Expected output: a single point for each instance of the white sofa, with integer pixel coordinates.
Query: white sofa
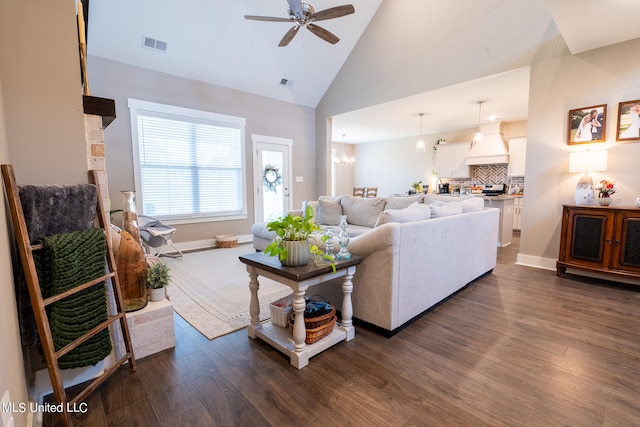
(409, 264)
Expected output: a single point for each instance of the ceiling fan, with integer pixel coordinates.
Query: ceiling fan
(302, 15)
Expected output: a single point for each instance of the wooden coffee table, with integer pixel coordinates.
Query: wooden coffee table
(299, 279)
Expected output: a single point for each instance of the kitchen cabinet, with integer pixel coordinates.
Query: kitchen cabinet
(517, 156)
(604, 239)
(517, 213)
(451, 161)
(505, 228)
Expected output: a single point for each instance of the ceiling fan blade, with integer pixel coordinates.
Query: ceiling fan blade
(323, 34)
(332, 12)
(296, 8)
(266, 18)
(289, 36)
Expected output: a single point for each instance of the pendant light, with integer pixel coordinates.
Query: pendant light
(478, 136)
(421, 147)
(344, 160)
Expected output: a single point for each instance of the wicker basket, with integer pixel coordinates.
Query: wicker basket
(320, 332)
(227, 241)
(317, 327)
(281, 311)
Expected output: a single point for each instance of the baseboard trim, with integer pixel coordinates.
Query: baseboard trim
(550, 264)
(196, 245)
(537, 262)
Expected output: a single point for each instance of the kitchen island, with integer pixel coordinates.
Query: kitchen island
(505, 204)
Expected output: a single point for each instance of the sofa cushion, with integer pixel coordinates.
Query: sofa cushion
(469, 203)
(260, 229)
(414, 212)
(429, 198)
(362, 211)
(394, 202)
(353, 230)
(472, 204)
(329, 212)
(440, 209)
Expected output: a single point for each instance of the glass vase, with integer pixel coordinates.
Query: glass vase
(329, 244)
(343, 239)
(131, 261)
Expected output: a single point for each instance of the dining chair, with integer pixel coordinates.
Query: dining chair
(372, 191)
(358, 191)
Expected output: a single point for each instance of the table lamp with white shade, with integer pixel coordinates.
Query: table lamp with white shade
(587, 161)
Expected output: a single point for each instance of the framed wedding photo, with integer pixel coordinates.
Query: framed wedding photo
(628, 121)
(587, 125)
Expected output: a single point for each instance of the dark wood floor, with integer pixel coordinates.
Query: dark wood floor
(519, 347)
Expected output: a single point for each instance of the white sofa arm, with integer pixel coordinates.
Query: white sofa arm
(376, 240)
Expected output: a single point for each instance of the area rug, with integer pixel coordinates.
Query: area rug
(210, 290)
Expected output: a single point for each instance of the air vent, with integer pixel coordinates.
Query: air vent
(154, 44)
(286, 83)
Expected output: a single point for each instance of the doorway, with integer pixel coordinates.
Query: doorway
(272, 176)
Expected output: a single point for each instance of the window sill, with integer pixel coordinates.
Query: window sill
(196, 220)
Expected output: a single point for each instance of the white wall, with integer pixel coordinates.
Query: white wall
(40, 72)
(405, 53)
(265, 116)
(608, 76)
(12, 377)
(42, 135)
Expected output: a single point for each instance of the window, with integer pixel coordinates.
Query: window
(189, 164)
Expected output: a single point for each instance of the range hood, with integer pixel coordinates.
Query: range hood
(492, 149)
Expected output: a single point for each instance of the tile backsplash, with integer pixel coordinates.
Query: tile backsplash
(488, 174)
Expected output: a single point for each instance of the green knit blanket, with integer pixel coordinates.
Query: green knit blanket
(69, 260)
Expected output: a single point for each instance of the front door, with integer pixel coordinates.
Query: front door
(272, 160)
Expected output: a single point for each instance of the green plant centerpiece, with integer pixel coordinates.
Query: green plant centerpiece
(158, 276)
(291, 244)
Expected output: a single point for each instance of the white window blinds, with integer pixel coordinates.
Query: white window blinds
(190, 163)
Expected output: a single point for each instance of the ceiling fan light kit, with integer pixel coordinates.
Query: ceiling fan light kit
(302, 15)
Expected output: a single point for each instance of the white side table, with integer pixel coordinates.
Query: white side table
(299, 279)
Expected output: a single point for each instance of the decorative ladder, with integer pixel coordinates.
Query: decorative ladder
(39, 304)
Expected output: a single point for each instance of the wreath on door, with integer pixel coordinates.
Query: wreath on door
(271, 177)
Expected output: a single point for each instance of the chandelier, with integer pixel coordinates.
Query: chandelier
(344, 160)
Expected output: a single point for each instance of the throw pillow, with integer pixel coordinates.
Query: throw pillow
(440, 209)
(362, 211)
(402, 202)
(328, 212)
(414, 212)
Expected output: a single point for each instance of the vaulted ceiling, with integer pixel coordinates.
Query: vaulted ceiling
(211, 41)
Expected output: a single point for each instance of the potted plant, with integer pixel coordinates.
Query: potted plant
(291, 244)
(157, 278)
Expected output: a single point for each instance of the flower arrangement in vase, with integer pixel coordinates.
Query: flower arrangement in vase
(605, 190)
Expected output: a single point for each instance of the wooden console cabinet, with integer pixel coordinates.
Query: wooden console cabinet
(604, 239)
